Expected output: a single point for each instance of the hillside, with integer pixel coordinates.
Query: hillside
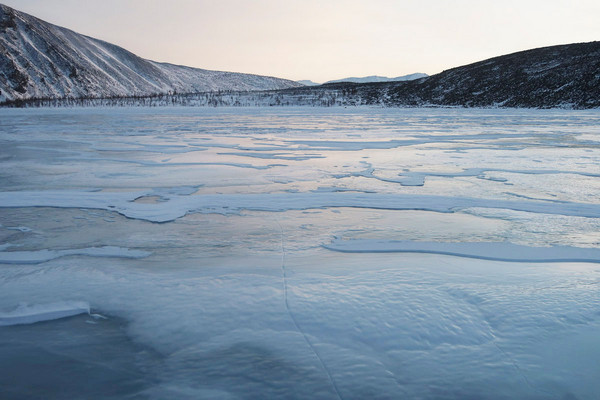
(556, 76)
(565, 76)
(38, 59)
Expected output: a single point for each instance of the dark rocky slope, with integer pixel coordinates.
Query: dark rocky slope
(556, 76)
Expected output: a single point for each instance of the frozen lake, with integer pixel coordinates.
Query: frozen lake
(299, 253)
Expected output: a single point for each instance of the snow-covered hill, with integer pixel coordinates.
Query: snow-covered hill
(38, 59)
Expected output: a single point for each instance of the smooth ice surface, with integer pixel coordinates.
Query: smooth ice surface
(299, 253)
(45, 360)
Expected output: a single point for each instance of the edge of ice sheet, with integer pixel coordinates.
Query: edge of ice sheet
(417, 178)
(40, 256)
(176, 206)
(30, 314)
(410, 178)
(498, 251)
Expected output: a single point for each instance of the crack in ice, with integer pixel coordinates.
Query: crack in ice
(293, 318)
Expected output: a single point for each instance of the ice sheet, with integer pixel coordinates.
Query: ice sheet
(239, 298)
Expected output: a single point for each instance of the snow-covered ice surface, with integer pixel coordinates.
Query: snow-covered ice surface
(299, 253)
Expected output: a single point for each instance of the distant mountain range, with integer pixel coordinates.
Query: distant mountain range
(369, 79)
(307, 82)
(376, 78)
(38, 59)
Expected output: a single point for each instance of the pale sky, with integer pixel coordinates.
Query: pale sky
(323, 40)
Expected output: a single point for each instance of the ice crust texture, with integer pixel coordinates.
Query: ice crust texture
(305, 253)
